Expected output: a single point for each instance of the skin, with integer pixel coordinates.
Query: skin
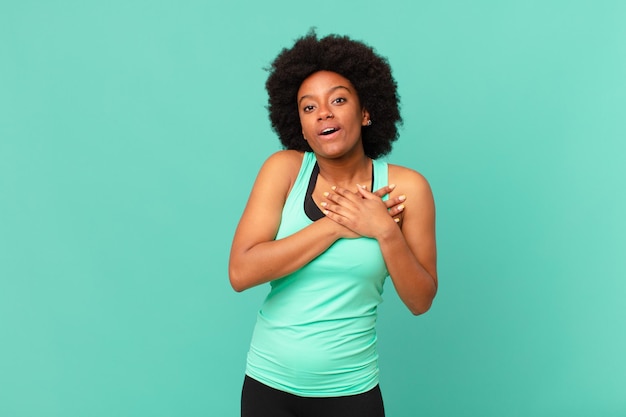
(403, 225)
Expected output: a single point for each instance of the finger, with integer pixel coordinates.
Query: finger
(341, 195)
(383, 191)
(394, 211)
(395, 201)
(333, 212)
(364, 193)
(334, 209)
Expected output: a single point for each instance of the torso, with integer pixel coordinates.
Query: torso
(315, 333)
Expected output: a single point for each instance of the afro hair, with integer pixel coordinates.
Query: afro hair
(368, 72)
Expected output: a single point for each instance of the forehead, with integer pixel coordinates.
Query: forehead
(323, 81)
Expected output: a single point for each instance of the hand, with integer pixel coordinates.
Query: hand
(362, 212)
(394, 205)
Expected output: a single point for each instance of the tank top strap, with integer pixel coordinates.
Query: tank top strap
(381, 175)
(302, 180)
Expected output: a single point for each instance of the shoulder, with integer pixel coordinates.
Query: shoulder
(280, 170)
(409, 180)
(419, 213)
(284, 161)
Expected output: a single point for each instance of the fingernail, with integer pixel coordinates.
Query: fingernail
(401, 207)
(326, 193)
(402, 197)
(397, 220)
(334, 187)
(323, 204)
(325, 212)
(392, 186)
(360, 186)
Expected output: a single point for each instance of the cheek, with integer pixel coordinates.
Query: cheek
(306, 124)
(306, 128)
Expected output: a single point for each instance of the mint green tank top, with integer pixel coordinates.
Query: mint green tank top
(315, 333)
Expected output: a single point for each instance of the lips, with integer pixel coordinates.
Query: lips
(328, 130)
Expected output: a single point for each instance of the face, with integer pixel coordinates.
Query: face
(331, 114)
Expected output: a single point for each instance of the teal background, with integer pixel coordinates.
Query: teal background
(131, 133)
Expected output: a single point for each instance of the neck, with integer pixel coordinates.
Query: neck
(346, 172)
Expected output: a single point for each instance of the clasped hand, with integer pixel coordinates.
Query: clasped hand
(363, 213)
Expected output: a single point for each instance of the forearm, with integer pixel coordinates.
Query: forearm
(274, 259)
(414, 284)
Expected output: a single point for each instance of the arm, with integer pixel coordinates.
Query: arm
(411, 256)
(255, 256)
(409, 252)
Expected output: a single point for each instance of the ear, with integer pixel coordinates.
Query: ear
(366, 117)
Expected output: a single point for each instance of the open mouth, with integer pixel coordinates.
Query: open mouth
(328, 131)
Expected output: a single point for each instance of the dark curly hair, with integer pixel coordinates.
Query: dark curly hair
(369, 73)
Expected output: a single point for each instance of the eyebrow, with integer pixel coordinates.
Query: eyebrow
(330, 91)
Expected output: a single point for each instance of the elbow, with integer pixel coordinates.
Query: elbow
(421, 308)
(243, 274)
(236, 286)
(237, 272)
(235, 277)
(423, 304)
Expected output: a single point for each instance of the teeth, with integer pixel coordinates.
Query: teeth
(327, 131)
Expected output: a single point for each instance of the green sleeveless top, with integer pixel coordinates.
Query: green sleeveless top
(315, 334)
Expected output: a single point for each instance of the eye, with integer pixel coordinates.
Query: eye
(308, 108)
(339, 100)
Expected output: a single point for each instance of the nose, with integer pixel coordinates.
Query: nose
(325, 113)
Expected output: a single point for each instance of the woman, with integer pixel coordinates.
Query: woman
(314, 229)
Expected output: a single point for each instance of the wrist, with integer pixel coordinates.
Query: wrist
(389, 233)
(330, 228)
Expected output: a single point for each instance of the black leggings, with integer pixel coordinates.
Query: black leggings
(259, 400)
